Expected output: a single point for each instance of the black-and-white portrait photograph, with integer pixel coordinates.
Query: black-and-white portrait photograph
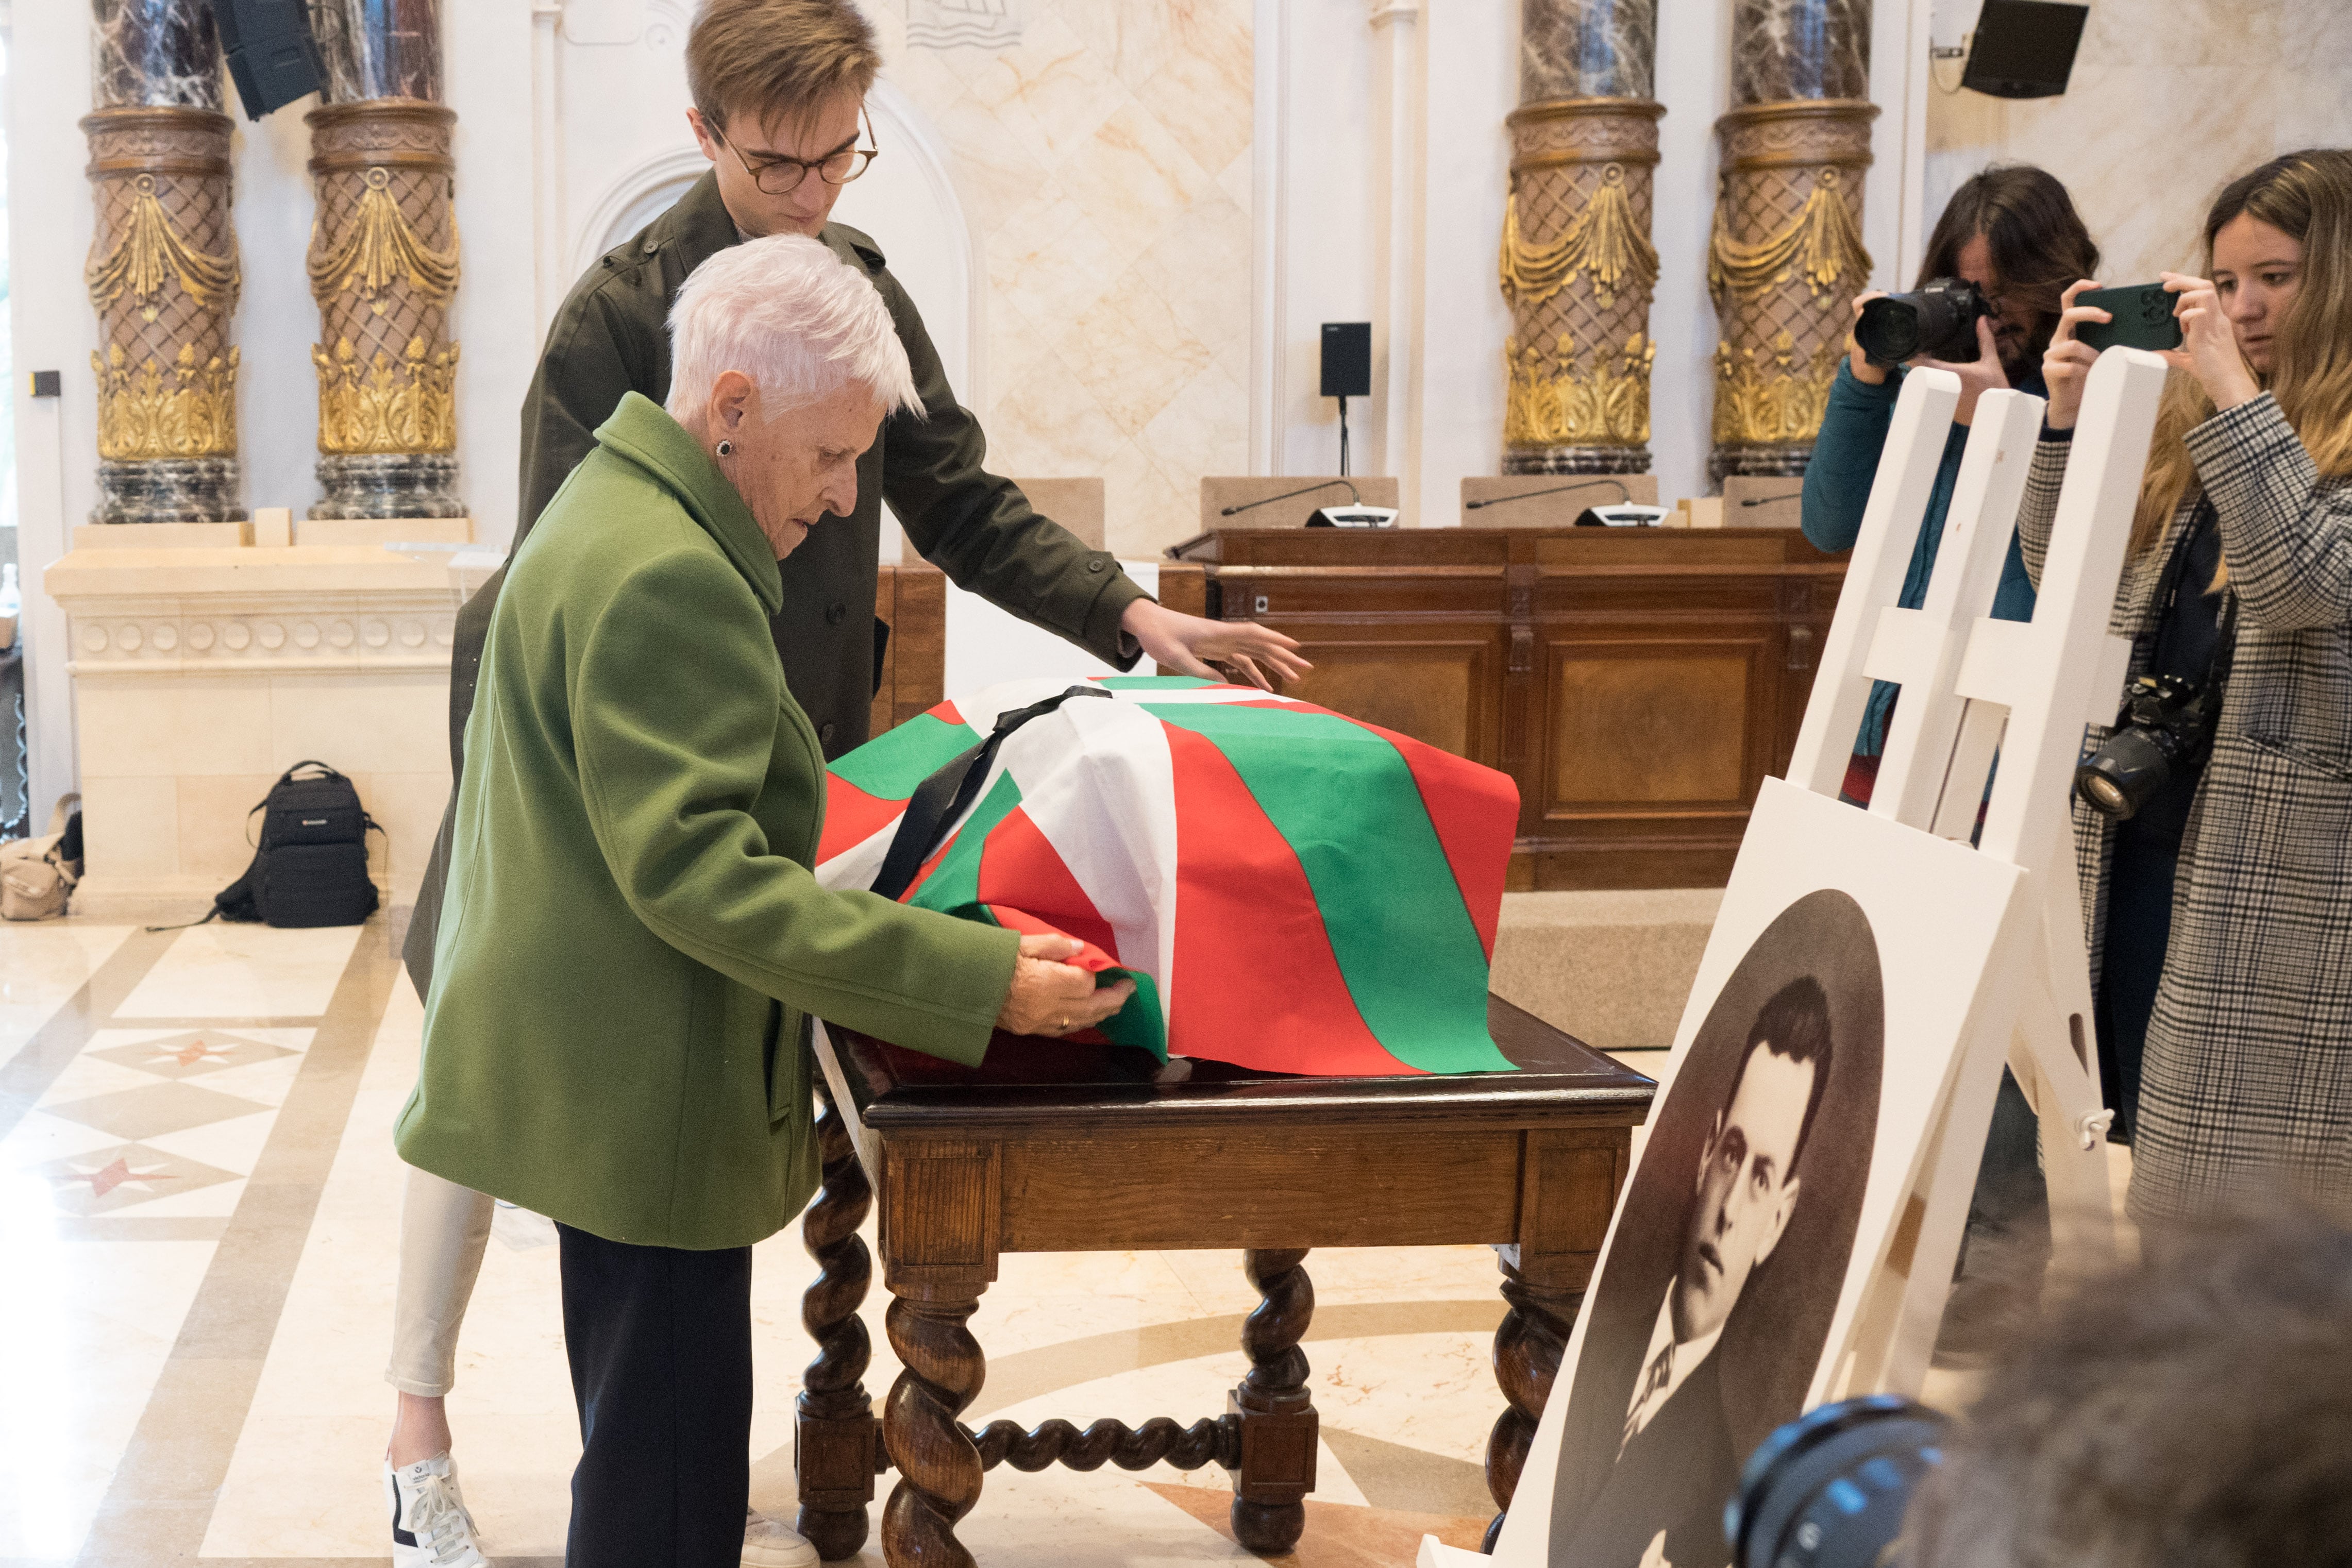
(1716, 1295)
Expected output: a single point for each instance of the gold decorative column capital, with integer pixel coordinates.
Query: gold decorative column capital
(384, 268)
(163, 276)
(1785, 256)
(1577, 269)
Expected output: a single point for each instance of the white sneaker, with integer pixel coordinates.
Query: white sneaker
(430, 1526)
(768, 1543)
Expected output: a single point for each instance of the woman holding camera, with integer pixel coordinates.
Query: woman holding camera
(2012, 237)
(2217, 897)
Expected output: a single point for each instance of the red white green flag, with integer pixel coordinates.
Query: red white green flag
(1291, 890)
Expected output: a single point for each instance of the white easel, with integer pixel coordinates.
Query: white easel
(1972, 686)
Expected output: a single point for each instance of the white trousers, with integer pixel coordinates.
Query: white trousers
(442, 1229)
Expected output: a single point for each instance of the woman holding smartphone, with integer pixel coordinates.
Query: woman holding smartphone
(2217, 896)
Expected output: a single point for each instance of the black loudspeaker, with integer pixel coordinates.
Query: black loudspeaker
(2024, 48)
(1347, 359)
(272, 57)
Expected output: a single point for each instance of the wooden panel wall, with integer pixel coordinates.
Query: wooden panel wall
(1638, 686)
(912, 601)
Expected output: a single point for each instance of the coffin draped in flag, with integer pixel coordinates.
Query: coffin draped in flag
(1292, 891)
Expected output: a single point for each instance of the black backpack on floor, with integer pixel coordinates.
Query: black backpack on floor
(312, 866)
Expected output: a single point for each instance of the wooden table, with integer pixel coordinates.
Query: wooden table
(1637, 682)
(1054, 1147)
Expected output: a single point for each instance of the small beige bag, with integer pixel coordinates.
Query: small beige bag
(35, 881)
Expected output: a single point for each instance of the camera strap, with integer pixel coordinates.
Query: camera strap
(2216, 676)
(2168, 599)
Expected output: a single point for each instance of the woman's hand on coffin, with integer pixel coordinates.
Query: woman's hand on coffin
(1052, 998)
(1189, 645)
(2068, 361)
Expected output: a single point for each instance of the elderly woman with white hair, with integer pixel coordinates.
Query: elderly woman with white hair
(632, 941)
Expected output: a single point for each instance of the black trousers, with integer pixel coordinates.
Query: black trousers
(2139, 930)
(660, 1344)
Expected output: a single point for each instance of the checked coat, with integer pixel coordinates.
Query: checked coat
(2246, 1093)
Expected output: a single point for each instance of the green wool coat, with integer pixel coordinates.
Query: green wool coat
(631, 937)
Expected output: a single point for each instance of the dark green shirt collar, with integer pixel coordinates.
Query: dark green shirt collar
(643, 432)
(699, 227)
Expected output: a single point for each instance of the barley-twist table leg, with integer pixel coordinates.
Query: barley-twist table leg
(939, 1467)
(1279, 1425)
(837, 1437)
(1529, 1344)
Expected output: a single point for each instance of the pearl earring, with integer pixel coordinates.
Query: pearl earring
(726, 449)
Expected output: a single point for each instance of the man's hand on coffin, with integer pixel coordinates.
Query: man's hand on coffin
(1189, 645)
(1050, 997)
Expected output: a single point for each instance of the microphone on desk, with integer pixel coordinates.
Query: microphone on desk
(1768, 500)
(1287, 495)
(1623, 494)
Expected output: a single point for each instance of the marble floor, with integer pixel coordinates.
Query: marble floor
(199, 1206)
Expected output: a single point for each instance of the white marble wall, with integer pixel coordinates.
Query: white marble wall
(1104, 161)
(2169, 102)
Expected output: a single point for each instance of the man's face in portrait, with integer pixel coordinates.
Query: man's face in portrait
(1745, 1190)
(746, 154)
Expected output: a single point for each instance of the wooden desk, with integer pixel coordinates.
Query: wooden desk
(912, 601)
(1639, 684)
(1085, 1149)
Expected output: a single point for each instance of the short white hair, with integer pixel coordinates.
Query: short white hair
(796, 319)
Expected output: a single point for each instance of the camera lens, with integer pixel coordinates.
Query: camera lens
(1830, 1489)
(2106, 795)
(2123, 774)
(1939, 322)
(1889, 330)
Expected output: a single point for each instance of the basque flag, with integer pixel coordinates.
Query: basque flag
(1291, 890)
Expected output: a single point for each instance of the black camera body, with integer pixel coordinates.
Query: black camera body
(2167, 721)
(1938, 322)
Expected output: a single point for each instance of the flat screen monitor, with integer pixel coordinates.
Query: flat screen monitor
(2024, 48)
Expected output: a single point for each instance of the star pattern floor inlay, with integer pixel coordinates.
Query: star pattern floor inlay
(120, 1175)
(193, 1053)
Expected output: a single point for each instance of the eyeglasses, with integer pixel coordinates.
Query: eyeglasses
(780, 176)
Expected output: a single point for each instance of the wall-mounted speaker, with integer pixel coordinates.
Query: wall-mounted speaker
(1347, 359)
(2024, 48)
(272, 57)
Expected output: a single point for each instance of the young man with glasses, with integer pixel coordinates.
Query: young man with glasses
(779, 90)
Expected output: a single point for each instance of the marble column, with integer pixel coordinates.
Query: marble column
(384, 263)
(1578, 266)
(163, 271)
(1787, 256)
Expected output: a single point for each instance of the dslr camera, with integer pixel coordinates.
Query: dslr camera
(1939, 322)
(2167, 721)
(1830, 1488)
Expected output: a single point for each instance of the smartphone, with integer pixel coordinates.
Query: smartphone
(2143, 318)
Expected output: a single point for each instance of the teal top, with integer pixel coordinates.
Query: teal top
(1837, 488)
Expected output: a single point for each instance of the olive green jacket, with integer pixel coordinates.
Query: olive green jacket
(631, 935)
(612, 337)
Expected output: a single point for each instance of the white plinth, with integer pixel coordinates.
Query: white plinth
(202, 671)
